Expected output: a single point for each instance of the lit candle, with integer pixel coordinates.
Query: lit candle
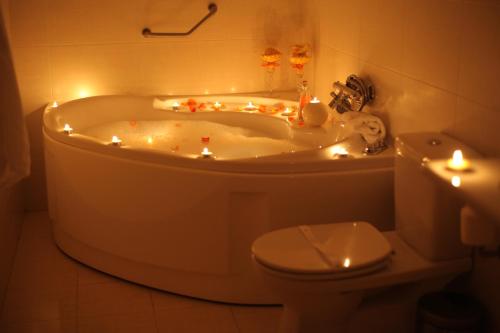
(175, 106)
(115, 141)
(339, 151)
(217, 106)
(67, 129)
(315, 100)
(150, 139)
(458, 162)
(206, 153)
(54, 105)
(347, 262)
(287, 112)
(250, 107)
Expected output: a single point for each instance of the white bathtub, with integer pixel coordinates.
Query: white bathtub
(176, 221)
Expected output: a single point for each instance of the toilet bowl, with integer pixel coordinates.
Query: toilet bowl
(319, 298)
(322, 272)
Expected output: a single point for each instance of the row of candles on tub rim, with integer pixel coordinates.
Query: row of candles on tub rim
(117, 142)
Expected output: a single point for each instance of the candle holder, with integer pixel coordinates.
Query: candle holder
(458, 162)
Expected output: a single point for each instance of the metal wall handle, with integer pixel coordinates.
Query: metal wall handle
(212, 9)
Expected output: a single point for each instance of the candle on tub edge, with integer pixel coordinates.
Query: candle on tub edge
(115, 141)
(458, 162)
(250, 107)
(67, 129)
(206, 153)
(175, 106)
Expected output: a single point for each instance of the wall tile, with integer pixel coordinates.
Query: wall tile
(423, 108)
(340, 24)
(381, 35)
(431, 46)
(33, 76)
(28, 28)
(478, 127)
(479, 68)
(94, 70)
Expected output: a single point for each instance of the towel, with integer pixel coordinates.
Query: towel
(370, 127)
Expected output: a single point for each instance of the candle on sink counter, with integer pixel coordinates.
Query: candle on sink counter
(458, 162)
(216, 106)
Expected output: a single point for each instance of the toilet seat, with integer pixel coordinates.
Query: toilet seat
(326, 251)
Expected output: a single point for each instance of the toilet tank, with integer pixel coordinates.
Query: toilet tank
(427, 217)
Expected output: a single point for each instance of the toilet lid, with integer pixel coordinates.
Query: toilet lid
(323, 248)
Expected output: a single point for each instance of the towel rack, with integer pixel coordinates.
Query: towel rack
(212, 9)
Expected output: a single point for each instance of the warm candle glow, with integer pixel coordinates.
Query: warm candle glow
(67, 129)
(116, 141)
(339, 151)
(250, 107)
(287, 112)
(458, 162)
(175, 106)
(54, 104)
(206, 153)
(83, 93)
(347, 262)
(315, 100)
(456, 181)
(150, 140)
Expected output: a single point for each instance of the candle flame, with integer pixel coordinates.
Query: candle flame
(150, 139)
(458, 157)
(315, 100)
(347, 262)
(217, 104)
(67, 127)
(54, 104)
(115, 139)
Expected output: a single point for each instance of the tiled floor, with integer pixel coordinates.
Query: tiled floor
(51, 293)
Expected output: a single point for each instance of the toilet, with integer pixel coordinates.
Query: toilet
(321, 272)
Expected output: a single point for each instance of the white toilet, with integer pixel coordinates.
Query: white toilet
(321, 272)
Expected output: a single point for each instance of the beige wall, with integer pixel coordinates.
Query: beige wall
(71, 46)
(434, 62)
(435, 65)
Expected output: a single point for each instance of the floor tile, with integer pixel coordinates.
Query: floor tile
(54, 326)
(262, 319)
(113, 298)
(130, 323)
(209, 318)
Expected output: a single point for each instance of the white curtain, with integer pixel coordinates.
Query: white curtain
(14, 146)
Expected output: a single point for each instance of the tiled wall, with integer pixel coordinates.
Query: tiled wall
(435, 63)
(436, 67)
(11, 207)
(67, 48)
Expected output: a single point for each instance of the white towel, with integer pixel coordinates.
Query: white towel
(370, 127)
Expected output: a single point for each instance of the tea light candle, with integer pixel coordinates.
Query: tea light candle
(458, 162)
(54, 105)
(115, 141)
(216, 106)
(287, 112)
(206, 153)
(175, 106)
(250, 107)
(67, 129)
(339, 151)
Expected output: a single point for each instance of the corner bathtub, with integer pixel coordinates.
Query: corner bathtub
(159, 214)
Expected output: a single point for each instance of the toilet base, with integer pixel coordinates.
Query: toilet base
(327, 313)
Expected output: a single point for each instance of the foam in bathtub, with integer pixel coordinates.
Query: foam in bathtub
(188, 138)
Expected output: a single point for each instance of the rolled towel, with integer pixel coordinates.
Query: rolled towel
(370, 127)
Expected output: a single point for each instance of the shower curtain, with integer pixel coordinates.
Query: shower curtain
(14, 147)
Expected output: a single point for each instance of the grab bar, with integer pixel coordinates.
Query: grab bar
(212, 9)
